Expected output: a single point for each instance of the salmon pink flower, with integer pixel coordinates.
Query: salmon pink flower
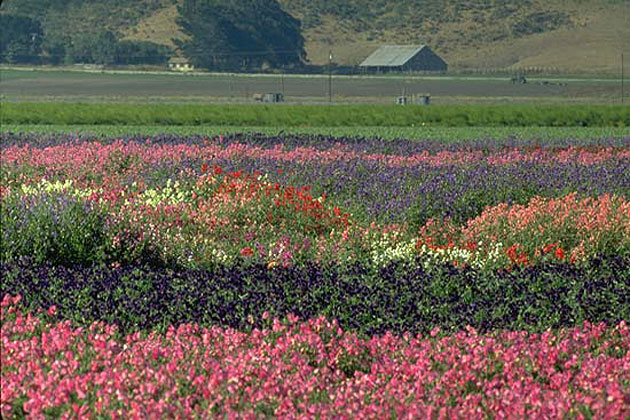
(247, 252)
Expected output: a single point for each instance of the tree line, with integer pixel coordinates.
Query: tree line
(222, 34)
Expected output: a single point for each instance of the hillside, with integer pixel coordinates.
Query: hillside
(569, 36)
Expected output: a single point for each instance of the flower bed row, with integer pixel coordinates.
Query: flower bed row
(399, 146)
(98, 155)
(395, 298)
(219, 218)
(441, 183)
(306, 369)
(164, 278)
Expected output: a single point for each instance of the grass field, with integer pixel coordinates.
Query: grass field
(135, 87)
(316, 116)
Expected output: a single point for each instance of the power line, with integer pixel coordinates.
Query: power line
(205, 54)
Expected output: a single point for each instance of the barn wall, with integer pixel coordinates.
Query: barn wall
(426, 60)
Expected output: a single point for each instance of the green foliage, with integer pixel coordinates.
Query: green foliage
(369, 302)
(313, 115)
(141, 52)
(20, 39)
(87, 48)
(436, 133)
(94, 37)
(104, 48)
(240, 35)
(52, 227)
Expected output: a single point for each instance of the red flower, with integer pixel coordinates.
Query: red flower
(218, 170)
(548, 248)
(204, 168)
(471, 245)
(511, 252)
(247, 252)
(560, 253)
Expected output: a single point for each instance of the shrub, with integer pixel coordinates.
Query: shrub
(52, 227)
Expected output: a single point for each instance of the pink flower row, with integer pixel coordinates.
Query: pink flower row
(96, 155)
(297, 369)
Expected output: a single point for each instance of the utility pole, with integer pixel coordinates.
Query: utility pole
(622, 78)
(330, 59)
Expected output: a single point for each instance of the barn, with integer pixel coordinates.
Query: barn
(396, 58)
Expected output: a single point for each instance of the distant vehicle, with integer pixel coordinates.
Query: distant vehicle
(519, 78)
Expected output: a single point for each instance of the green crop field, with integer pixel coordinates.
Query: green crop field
(316, 116)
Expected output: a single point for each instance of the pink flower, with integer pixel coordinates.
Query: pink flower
(435, 331)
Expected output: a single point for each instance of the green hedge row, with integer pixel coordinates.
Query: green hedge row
(318, 115)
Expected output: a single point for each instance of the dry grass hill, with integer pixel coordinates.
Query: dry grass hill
(567, 36)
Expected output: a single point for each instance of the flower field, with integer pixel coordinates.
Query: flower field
(300, 276)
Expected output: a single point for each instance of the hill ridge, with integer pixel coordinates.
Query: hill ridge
(565, 36)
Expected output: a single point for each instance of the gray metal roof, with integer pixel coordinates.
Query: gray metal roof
(391, 55)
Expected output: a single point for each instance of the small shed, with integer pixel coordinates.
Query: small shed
(269, 97)
(391, 58)
(180, 64)
(423, 99)
(273, 97)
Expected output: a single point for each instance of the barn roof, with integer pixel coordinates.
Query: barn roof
(391, 55)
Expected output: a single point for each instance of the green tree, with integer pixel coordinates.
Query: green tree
(54, 50)
(93, 49)
(104, 48)
(240, 35)
(142, 52)
(20, 39)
